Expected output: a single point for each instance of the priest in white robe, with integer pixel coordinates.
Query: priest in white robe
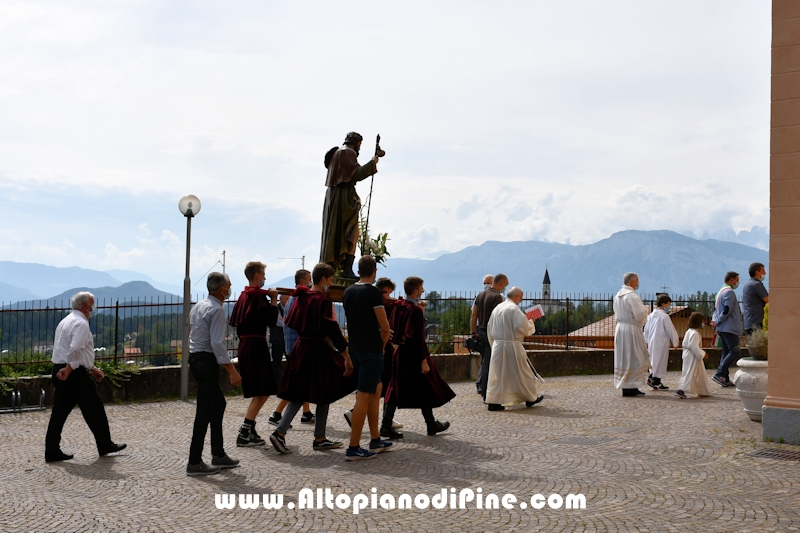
(631, 362)
(512, 379)
(660, 333)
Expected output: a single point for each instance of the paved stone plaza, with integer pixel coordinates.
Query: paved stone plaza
(655, 463)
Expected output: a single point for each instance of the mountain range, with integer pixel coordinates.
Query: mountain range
(34, 281)
(663, 259)
(136, 292)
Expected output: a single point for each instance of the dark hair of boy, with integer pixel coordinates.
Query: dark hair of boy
(366, 266)
(730, 275)
(385, 283)
(321, 270)
(299, 275)
(663, 299)
(412, 283)
(252, 268)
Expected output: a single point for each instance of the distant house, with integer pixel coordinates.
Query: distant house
(43, 348)
(232, 345)
(132, 352)
(600, 334)
(176, 345)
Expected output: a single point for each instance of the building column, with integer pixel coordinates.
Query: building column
(781, 412)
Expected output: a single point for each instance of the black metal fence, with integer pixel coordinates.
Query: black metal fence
(570, 320)
(149, 331)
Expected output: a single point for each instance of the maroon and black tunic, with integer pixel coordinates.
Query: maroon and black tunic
(315, 372)
(388, 350)
(408, 387)
(251, 317)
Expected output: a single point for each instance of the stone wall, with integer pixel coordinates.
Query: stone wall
(164, 382)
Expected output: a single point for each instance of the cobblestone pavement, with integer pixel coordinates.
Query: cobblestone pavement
(653, 463)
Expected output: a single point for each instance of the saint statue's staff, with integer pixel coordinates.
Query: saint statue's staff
(378, 153)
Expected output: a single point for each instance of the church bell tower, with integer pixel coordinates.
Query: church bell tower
(546, 285)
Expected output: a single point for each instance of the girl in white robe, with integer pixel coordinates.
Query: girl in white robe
(693, 376)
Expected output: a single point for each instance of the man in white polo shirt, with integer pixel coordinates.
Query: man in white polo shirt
(74, 376)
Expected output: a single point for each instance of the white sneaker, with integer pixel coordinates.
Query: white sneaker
(396, 425)
(348, 415)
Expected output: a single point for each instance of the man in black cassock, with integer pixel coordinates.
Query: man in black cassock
(342, 204)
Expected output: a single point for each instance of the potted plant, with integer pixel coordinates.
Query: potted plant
(751, 378)
(757, 344)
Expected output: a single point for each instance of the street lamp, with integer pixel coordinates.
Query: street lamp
(189, 207)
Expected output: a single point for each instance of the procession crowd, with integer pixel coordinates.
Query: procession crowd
(384, 360)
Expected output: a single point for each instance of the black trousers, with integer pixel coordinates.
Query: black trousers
(210, 406)
(277, 351)
(79, 389)
(390, 408)
(486, 356)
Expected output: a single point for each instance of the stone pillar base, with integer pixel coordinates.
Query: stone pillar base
(780, 424)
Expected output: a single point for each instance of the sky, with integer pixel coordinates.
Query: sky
(558, 121)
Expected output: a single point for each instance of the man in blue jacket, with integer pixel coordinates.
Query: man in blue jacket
(727, 320)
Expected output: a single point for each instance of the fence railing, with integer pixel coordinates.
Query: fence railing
(149, 331)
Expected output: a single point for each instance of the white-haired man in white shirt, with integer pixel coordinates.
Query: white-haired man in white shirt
(74, 377)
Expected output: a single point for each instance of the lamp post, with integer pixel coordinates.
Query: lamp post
(189, 207)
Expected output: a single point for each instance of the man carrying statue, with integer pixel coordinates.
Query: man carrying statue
(342, 204)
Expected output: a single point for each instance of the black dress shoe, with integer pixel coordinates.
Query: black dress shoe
(114, 448)
(391, 433)
(496, 407)
(58, 456)
(534, 402)
(437, 427)
(632, 392)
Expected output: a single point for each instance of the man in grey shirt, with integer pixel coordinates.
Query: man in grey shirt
(754, 298)
(207, 353)
(727, 320)
(481, 311)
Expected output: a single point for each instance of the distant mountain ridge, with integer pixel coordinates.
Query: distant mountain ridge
(34, 281)
(133, 292)
(661, 258)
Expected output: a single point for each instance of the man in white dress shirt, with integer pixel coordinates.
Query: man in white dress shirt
(207, 352)
(631, 360)
(73, 373)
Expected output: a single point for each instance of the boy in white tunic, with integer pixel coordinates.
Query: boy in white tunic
(659, 334)
(693, 377)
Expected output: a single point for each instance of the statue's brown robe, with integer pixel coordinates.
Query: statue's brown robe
(342, 205)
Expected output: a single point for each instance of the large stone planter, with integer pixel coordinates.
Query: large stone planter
(751, 385)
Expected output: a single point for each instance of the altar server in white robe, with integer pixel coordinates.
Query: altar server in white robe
(631, 361)
(659, 333)
(693, 376)
(512, 379)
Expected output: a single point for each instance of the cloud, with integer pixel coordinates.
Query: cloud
(527, 122)
(520, 211)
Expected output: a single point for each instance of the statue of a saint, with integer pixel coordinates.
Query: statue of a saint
(342, 204)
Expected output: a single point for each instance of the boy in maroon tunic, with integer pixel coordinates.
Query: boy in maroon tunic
(415, 382)
(251, 316)
(316, 372)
